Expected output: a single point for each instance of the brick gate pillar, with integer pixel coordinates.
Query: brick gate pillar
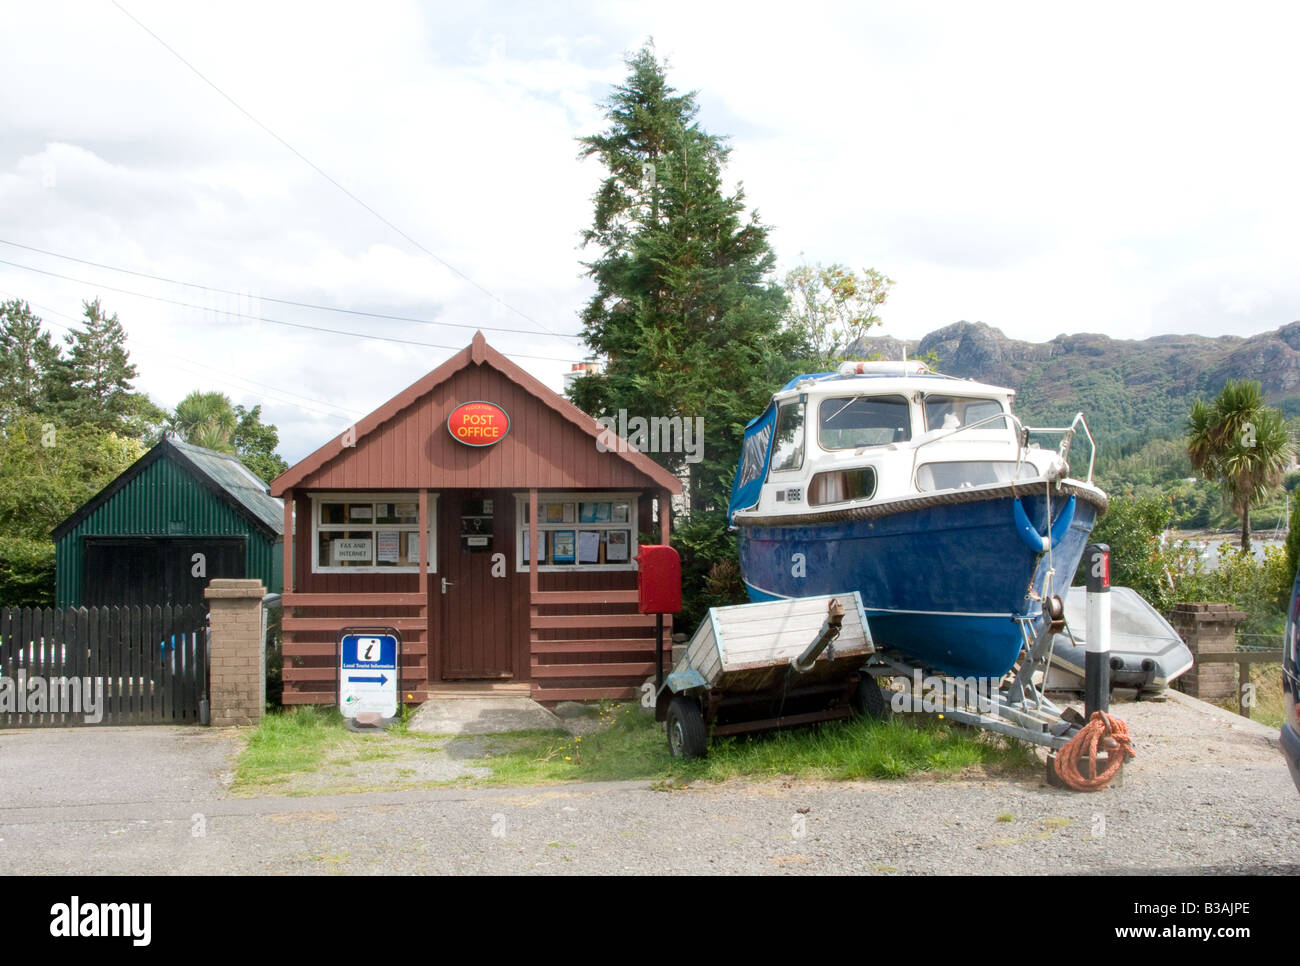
(237, 660)
(1208, 629)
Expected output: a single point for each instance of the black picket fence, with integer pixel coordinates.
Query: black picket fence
(102, 665)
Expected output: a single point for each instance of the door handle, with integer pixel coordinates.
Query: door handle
(447, 583)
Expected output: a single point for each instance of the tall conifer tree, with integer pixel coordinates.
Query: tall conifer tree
(686, 316)
(27, 356)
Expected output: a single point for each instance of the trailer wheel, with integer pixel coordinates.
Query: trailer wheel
(687, 737)
(869, 700)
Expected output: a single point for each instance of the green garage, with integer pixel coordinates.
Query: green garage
(175, 519)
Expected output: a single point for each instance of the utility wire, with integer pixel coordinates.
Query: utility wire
(203, 368)
(320, 171)
(262, 318)
(278, 301)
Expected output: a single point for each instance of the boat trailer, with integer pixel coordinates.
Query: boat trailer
(778, 664)
(1014, 706)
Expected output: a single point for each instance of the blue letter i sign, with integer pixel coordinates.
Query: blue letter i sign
(368, 675)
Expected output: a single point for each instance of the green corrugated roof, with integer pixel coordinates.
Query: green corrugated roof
(238, 480)
(222, 473)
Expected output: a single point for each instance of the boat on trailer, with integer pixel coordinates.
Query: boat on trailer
(927, 496)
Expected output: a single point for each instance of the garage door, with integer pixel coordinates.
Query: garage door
(121, 571)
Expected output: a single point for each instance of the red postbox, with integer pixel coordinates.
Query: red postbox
(658, 592)
(658, 580)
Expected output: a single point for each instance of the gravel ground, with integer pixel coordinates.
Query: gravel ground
(1209, 792)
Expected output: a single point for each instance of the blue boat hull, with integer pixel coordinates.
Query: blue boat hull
(946, 585)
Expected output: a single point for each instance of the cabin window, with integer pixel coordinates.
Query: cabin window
(787, 445)
(961, 473)
(951, 412)
(851, 422)
(579, 531)
(753, 455)
(370, 533)
(841, 486)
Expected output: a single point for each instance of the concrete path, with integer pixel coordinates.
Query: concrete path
(482, 715)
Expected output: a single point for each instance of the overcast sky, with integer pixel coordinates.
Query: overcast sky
(1121, 168)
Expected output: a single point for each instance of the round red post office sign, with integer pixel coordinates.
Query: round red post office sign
(478, 423)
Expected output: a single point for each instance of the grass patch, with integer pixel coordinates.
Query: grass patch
(309, 750)
(632, 746)
(289, 743)
(306, 739)
(1268, 709)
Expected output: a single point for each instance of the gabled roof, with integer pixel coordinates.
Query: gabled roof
(222, 474)
(478, 352)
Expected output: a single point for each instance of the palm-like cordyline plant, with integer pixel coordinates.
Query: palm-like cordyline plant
(1243, 444)
(206, 419)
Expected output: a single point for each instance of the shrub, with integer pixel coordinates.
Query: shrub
(708, 555)
(26, 572)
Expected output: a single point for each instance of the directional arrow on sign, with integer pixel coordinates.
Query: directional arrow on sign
(382, 679)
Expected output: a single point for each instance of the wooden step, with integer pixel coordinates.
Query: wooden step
(611, 645)
(584, 694)
(576, 671)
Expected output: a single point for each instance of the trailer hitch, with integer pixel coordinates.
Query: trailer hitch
(825, 637)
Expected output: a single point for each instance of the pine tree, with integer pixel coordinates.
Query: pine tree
(27, 356)
(686, 316)
(91, 385)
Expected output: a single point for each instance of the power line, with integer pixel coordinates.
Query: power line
(262, 318)
(216, 374)
(278, 301)
(320, 171)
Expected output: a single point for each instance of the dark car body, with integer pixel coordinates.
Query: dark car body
(1291, 685)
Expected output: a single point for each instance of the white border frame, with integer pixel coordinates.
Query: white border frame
(577, 496)
(401, 496)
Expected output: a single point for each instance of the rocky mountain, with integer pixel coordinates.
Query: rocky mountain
(1131, 391)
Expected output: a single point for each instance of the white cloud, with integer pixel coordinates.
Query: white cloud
(1126, 171)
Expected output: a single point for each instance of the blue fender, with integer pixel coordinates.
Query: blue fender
(1038, 542)
(680, 681)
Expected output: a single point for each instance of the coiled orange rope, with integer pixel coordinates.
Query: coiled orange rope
(1100, 726)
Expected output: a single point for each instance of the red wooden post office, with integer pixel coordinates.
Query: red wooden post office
(487, 519)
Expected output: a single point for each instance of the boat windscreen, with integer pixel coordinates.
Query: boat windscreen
(851, 422)
(956, 474)
(950, 412)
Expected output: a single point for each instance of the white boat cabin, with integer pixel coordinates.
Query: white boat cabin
(883, 430)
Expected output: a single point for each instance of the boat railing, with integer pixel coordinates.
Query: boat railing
(1024, 431)
(1067, 440)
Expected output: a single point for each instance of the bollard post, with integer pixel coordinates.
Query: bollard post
(1096, 679)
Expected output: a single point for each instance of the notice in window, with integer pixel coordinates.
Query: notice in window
(588, 546)
(413, 547)
(563, 546)
(389, 547)
(541, 547)
(616, 544)
(350, 551)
